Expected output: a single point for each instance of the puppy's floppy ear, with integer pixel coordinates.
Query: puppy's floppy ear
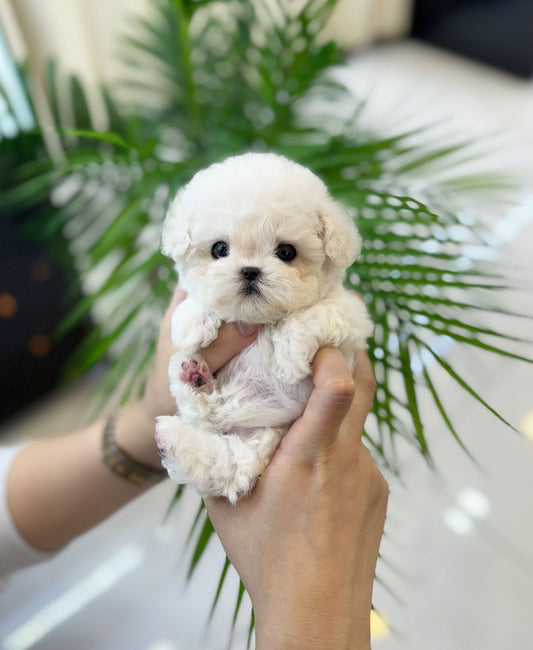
(342, 241)
(176, 236)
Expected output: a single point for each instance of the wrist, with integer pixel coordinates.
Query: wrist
(311, 638)
(134, 433)
(312, 628)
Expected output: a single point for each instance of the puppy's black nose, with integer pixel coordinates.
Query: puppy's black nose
(250, 273)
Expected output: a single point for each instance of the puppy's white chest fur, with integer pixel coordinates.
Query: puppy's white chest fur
(252, 390)
(256, 238)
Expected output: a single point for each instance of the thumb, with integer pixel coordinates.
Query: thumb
(231, 340)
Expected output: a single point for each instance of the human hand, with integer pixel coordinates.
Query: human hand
(305, 542)
(136, 424)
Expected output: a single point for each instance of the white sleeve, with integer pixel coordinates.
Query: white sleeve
(15, 552)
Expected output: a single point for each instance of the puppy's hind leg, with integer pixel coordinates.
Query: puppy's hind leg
(187, 454)
(250, 456)
(217, 465)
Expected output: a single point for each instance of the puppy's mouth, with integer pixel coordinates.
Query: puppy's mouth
(250, 289)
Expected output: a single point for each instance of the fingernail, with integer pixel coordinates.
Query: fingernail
(247, 329)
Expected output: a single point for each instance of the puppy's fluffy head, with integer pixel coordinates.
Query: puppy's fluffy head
(258, 236)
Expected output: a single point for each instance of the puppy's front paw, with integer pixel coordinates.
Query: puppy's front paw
(196, 375)
(290, 365)
(193, 327)
(293, 374)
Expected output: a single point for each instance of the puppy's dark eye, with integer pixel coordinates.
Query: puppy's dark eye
(219, 249)
(286, 252)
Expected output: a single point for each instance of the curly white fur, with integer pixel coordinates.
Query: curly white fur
(229, 426)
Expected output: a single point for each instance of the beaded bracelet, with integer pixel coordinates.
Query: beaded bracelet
(119, 462)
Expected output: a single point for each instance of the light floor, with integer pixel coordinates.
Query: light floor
(458, 554)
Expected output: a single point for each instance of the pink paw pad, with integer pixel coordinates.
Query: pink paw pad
(196, 374)
(161, 442)
(160, 445)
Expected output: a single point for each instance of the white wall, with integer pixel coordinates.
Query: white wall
(358, 23)
(82, 35)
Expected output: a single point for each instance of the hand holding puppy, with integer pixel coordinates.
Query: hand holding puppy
(305, 542)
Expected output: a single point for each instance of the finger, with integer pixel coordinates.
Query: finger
(231, 340)
(327, 407)
(164, 342)
(365, 388)
(178, 296)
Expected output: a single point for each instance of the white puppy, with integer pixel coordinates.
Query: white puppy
(256, 239)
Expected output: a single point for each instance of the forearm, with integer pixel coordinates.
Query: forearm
(58, 488)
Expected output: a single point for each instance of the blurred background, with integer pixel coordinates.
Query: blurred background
(457, 570)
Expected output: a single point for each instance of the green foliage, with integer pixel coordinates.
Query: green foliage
(210, 79)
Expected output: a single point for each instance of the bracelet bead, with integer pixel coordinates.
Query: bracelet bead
(119, 462)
